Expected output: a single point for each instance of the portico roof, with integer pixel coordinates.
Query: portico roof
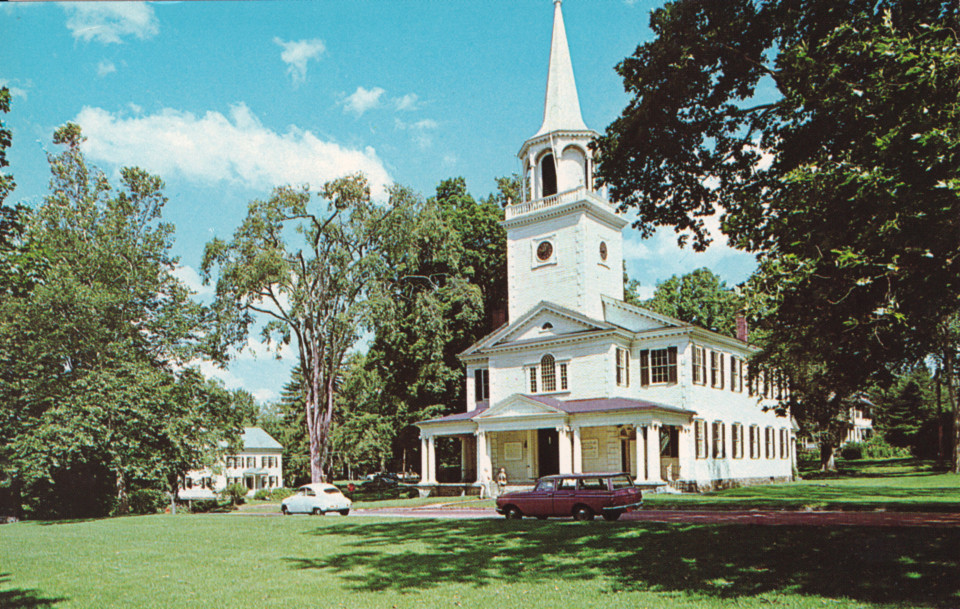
(572, 407)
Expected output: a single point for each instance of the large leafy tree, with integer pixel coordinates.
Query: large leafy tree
(313, 271)
(700, 298)
(94, 347)
(827, 134)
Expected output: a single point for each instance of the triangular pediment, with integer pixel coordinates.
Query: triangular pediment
(519, 406)
(549, 323)
(544, 321)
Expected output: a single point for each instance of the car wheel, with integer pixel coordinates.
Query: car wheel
(582, 512)
(344, 511)
(513, 513)
(317, 512)
(285, 511)
(611, 516)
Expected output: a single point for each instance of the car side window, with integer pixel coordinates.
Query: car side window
(545, 485)
(621, 482)
(306, 492)
(568, 484)
(593, 484)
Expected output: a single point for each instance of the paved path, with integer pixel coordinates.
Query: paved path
(791, 518)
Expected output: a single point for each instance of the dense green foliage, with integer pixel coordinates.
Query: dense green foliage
(827, 135)
(700, 298)
(96, 397)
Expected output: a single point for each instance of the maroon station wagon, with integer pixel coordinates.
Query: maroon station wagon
(579, 495)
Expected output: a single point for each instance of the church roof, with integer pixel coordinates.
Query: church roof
(561, 106)
(605, 405)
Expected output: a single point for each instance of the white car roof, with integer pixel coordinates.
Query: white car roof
(319, 487)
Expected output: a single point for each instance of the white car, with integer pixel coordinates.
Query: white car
(316, 498)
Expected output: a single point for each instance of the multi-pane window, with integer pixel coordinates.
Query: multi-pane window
(736, 374)
(719, 440)
(623, 367)
(251, 461)
(736, 440)
(481, 384)
(768, 443)
(552, 376)
(716, 369)
(548, 373)
(699, 366)
(658, 366)
(661, 367)
(784, 444)
(700, 434)
(754, 441)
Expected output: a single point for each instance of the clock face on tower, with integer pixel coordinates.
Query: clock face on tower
(544, 250)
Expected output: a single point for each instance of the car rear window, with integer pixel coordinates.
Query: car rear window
(621, 482)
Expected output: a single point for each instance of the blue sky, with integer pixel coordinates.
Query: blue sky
(225, 100)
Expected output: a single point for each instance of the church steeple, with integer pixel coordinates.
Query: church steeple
(561, 106)
(563, 237)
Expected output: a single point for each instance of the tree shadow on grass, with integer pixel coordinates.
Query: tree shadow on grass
(18, 598)
(916, 567)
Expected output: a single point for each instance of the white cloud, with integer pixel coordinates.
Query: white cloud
(362, 100)
(190, 278)
(264, 395)
(105, 67)
(212, 371)
(214, 147)
(296, 54)
(419, 130)
(406, 103)
(110, 22)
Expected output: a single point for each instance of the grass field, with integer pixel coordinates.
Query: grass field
(890, 484)
(237, 562)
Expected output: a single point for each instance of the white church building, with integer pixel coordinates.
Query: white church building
(578, 380)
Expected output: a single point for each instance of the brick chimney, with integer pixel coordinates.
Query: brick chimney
(742, 332)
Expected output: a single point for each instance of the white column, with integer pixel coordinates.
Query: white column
(653, 452)
(424, 460)
(431, 460)
(484, 467)
(563, 435)
(464, 458)
(531, 447)
(577, 452)
(641, 450)
(685, 452)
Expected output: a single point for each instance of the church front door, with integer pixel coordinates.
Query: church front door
(548, 452)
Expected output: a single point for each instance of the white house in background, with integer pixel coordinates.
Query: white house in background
(859, 425)
(257, 465)
(577, 380)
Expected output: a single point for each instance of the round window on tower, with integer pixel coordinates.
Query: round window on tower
(603, 250)
(544, 250)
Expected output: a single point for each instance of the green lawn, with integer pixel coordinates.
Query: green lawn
(892, 484)
(236, 562)
(274, 506)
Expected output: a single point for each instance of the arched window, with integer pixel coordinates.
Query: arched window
(548, 176)
(548, 373)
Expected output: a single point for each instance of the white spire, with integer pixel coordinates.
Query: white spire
(561, 107)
